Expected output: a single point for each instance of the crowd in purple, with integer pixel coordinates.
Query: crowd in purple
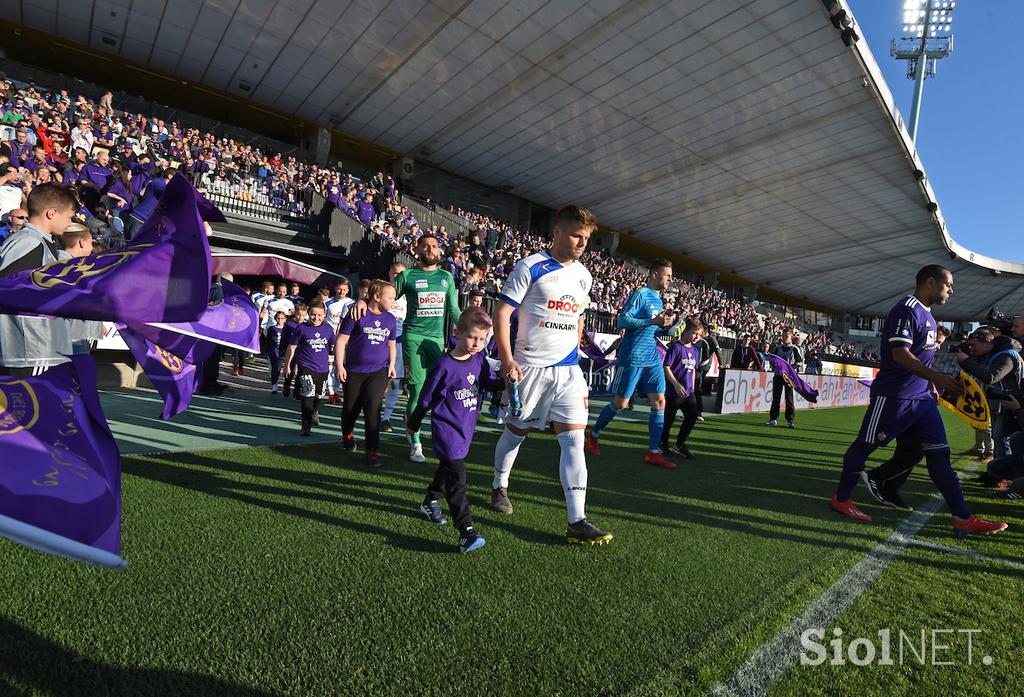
(118, 162)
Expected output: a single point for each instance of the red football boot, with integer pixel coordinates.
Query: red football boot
(659, 460)
(976, 526)
(849, 510)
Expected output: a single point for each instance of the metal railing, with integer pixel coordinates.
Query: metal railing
(435, 215)
(228, 203)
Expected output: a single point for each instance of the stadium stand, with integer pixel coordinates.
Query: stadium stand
(110, 148)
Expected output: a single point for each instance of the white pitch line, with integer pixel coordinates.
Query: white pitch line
(767, 664)
(966, 553)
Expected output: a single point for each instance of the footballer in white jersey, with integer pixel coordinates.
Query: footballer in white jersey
(550, 291)
(551, 298)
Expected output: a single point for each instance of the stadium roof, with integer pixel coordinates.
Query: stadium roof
(742, 133)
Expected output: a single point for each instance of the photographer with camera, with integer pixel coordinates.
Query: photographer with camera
(1017, 328)
(996, 363)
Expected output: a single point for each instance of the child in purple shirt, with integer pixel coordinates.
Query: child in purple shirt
(364, 359)
(299, 317)
(275, 347)
(310, 348)
(452, 394)
(681, 361)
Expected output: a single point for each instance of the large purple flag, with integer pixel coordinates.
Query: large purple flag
(232, 322)
(784, 369)
(162, 276)
(175, 378)
(60, 470)
(170, 353)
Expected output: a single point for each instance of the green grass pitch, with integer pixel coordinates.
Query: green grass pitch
(298, 571)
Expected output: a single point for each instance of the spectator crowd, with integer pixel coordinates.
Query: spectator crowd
(118, 162)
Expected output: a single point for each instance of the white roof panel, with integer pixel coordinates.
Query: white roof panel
(743, 134)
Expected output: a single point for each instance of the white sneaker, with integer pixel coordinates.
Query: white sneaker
(274, 389)
(771, 422)
(700, 418)
(416, 453)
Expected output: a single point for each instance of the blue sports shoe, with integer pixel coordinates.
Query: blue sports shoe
(432, 510)
(470, 540)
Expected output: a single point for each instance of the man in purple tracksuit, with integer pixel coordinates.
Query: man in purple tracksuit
(903, 402)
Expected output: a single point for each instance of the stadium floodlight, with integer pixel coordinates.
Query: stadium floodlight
(926, 38)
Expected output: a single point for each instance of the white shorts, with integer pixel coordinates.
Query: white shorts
(557, 393)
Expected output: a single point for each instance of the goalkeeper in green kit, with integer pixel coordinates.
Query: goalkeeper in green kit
(430, 294)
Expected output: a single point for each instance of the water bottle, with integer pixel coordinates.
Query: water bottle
(515, 405)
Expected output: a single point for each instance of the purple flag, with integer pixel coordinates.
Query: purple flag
(592, 351)
(233, 322)
(60, 470)
(162, 276)
(785, 370)
(175, 378)
(170, 354)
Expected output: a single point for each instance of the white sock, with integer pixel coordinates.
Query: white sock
(572, 468)
(505, 456)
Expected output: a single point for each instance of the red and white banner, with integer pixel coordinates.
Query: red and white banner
(749, 391)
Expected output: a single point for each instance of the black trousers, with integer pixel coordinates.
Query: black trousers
(310, 387)
(131, 226)
(450, 481)
(275, 367)
(778, 385)
(211, 369)
(364, 392)
(892, 473)
(286, 388)
(698, 390)
(673, 404)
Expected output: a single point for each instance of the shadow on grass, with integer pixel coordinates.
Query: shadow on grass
(192, 471)
(780, 498)
(43, 667)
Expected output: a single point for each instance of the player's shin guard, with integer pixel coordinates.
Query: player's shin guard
(605, 418)
(572, 468)
(655, 425)
(505, 456)
(941, 471)
(853, 464)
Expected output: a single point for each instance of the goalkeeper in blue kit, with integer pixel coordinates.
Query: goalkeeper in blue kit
(643, 318)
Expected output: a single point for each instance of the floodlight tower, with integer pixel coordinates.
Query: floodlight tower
(925, 39)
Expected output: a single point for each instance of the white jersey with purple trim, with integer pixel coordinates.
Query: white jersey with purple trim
(551, 297)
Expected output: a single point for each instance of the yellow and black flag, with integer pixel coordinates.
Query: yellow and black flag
(971, 405)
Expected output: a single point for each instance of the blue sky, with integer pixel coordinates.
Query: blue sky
(968, 134)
